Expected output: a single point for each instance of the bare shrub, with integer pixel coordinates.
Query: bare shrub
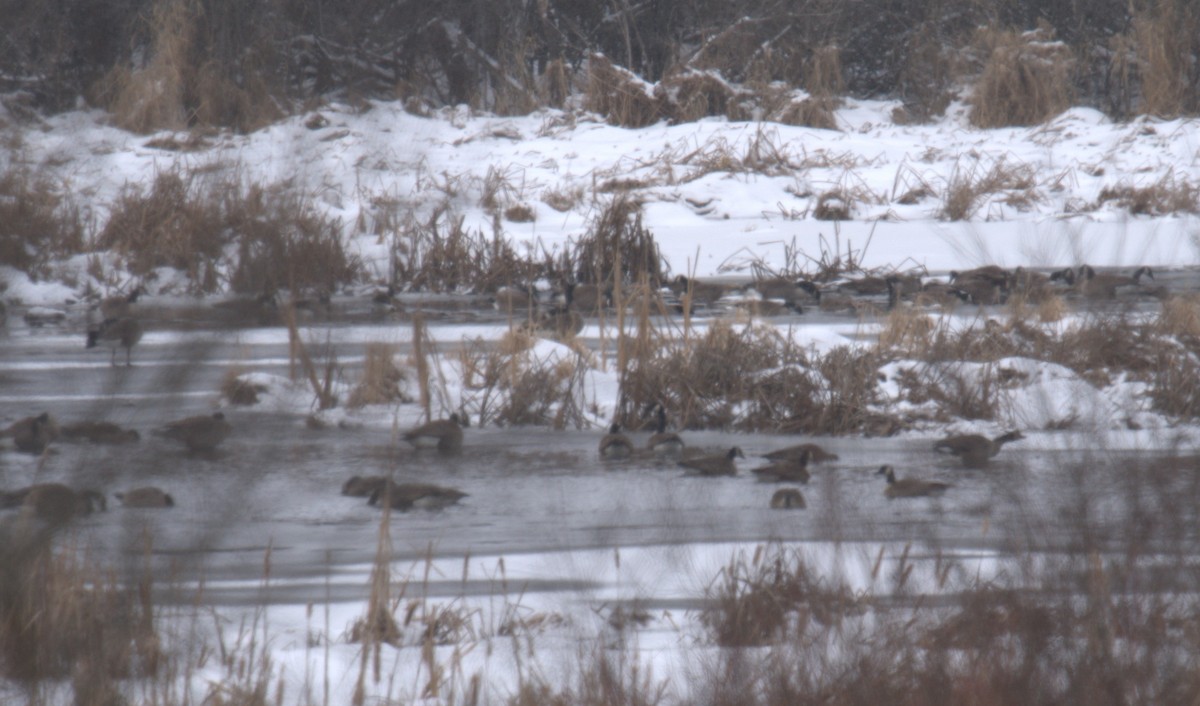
(619, 95)
(1025, 80)
(40, 225)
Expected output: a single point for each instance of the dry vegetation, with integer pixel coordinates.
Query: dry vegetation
(278, 240)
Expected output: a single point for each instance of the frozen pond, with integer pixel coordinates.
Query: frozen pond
(275, 483)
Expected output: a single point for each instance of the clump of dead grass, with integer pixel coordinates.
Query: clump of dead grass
(617, 250)
(277, 239)
(62, 615)
(441, 255)
(1025, 78)
(969, 187)
(623, 98)
(41, 225)
(1166, 196)
(382, 381)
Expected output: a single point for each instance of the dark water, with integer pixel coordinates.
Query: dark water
(274, 485)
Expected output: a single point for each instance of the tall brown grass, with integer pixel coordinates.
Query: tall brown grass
(1025, 79)
(41, 224)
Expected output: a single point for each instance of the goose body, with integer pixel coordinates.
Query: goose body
(663, 442)
(811, 453)
(409, 496)
(146, 497)
(697, 292)
(117, 333)
(587, 298)
(788, 499)
(785, 471)
(445, 435)
(1108, 285)
(118, 307)
(58, 504)
(561, 322)
(909, 487)
(715, 465)
(975, 450)
(33, 434)
(615, 445)
(363, 486)
(203, 433)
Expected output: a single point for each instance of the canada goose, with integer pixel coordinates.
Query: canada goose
(982, 291)
(33, 434)
(57, 504)
(768, 307)
(148, 496)
(202, 433)
(811, 452)
(792, 470)
(384, 297)
(118, 307)
(993, 274)
(789, 291)
(1031, 286)
(587, 298)
(715, 465)
(261, 310)
(117, 333)
(363, 486)
(940, 294)
(788, 499)
(99, 433)
(865, 286)
(909, 487)
(615, 445)
(445, 435)
(975, 449)
(407, 496)
(697, 292)
(514, 300)
(1107, 285)
(559, 321)
(663, 442)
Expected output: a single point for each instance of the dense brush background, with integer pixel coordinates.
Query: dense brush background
(188, 63)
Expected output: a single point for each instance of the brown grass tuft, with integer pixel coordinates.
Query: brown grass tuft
(382, 382)
(617, 249)
(1025, 79)
(688, 96)
(969, 188)
(619, 95)
(40, 225)
(1166, 196)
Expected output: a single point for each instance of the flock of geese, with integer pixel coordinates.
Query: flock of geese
(57, 503)
(790, 464)
(112, 323)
